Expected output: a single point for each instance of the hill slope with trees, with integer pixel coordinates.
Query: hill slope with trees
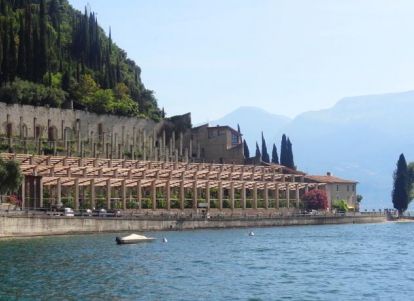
(54, 55)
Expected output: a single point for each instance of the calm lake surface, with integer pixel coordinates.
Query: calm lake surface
(341, 262)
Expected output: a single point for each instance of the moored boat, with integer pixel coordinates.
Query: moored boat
(133, 239)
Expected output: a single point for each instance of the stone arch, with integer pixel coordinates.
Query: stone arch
(39, 131)
(9, 129)
(52, 133)
(24, 130)
(68, 134)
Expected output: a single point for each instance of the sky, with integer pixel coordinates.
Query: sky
(285, 56)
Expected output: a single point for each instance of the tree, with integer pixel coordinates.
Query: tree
(283, 151)
(410, 168)
(258, 154)
(246, 149)
(290, 162)
(265, 154)
(400, 193)
(275, 158)
(315, 199)
(10, 176)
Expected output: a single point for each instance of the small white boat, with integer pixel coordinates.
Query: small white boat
(133, 239)
(251, 233)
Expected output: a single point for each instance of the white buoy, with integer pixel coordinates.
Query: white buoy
(251, 233)
(165, 240)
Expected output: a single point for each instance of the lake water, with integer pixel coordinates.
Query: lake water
(341, 262)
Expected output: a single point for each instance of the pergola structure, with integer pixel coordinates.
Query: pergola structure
(131, 184)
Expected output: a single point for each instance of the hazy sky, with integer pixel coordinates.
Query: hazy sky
(286, 56)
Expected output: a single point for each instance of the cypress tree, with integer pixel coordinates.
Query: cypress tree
(21, 63)
(283, 151)
(290, 161)
(246, 149)
(265, 154)
(258, 154)
(12, 57)
(275, 158)
(400, 193)
(42, 42)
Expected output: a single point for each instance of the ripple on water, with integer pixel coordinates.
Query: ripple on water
(358, 262)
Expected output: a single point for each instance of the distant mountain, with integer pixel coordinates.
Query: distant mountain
(253, 121)
(359, 138)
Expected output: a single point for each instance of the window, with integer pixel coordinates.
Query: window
(353, 188)
(337, 187)
(347, 187)
(234, 139)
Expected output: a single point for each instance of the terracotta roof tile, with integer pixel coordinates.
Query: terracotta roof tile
(330, 179)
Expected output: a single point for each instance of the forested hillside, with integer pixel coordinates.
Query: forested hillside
(52, 54)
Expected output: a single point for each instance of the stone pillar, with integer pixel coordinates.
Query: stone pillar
(195, 195)
(297, 196)
(287, 196)
(108, 193)
(77, 194)
(40, 192)
(154, 195)
(182, 195)
(243, 195)
(124, 196)
(168, 195)
(266, 196)
(139, 194)
(255, 195)
(59, 191)
(208, 194)
(181, 145)
(23, 193)
(92, 187)
(277, 196)
(232, 195)
(220, 195)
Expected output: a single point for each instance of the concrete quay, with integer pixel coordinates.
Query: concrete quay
(21, 225)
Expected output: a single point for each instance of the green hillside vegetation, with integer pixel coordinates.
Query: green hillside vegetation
(53, 55)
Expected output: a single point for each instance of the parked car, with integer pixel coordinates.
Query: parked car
(68, 212)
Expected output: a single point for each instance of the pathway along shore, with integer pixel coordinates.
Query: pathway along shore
(26, 225)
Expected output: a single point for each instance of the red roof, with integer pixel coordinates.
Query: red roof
(330, 180)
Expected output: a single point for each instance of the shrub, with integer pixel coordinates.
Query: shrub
(340, 205)
(315, 200)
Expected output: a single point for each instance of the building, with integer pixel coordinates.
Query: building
(218, 144)
(337, 189)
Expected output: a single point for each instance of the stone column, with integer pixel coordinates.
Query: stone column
(124, 196)
(40, 192)
(232, 195)
(220, 195)
(59, 191)
(182, 195)
(255, 195)
(77, 194)
(243, 195)
(266, 196)
(154, 195)
(108, 193)
(139, 194)
(208, 194)
(297, 196)
(168, 195)
(277, 196)
(287, 195)
(92, 187)
(23, 189)
(195, 195)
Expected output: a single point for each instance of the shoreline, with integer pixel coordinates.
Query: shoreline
(42, 226)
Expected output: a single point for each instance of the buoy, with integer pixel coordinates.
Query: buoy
(165, 240)
(251, 233)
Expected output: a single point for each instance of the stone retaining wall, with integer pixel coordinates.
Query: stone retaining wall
(13, 226)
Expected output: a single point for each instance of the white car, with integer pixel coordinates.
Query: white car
(69, 212)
